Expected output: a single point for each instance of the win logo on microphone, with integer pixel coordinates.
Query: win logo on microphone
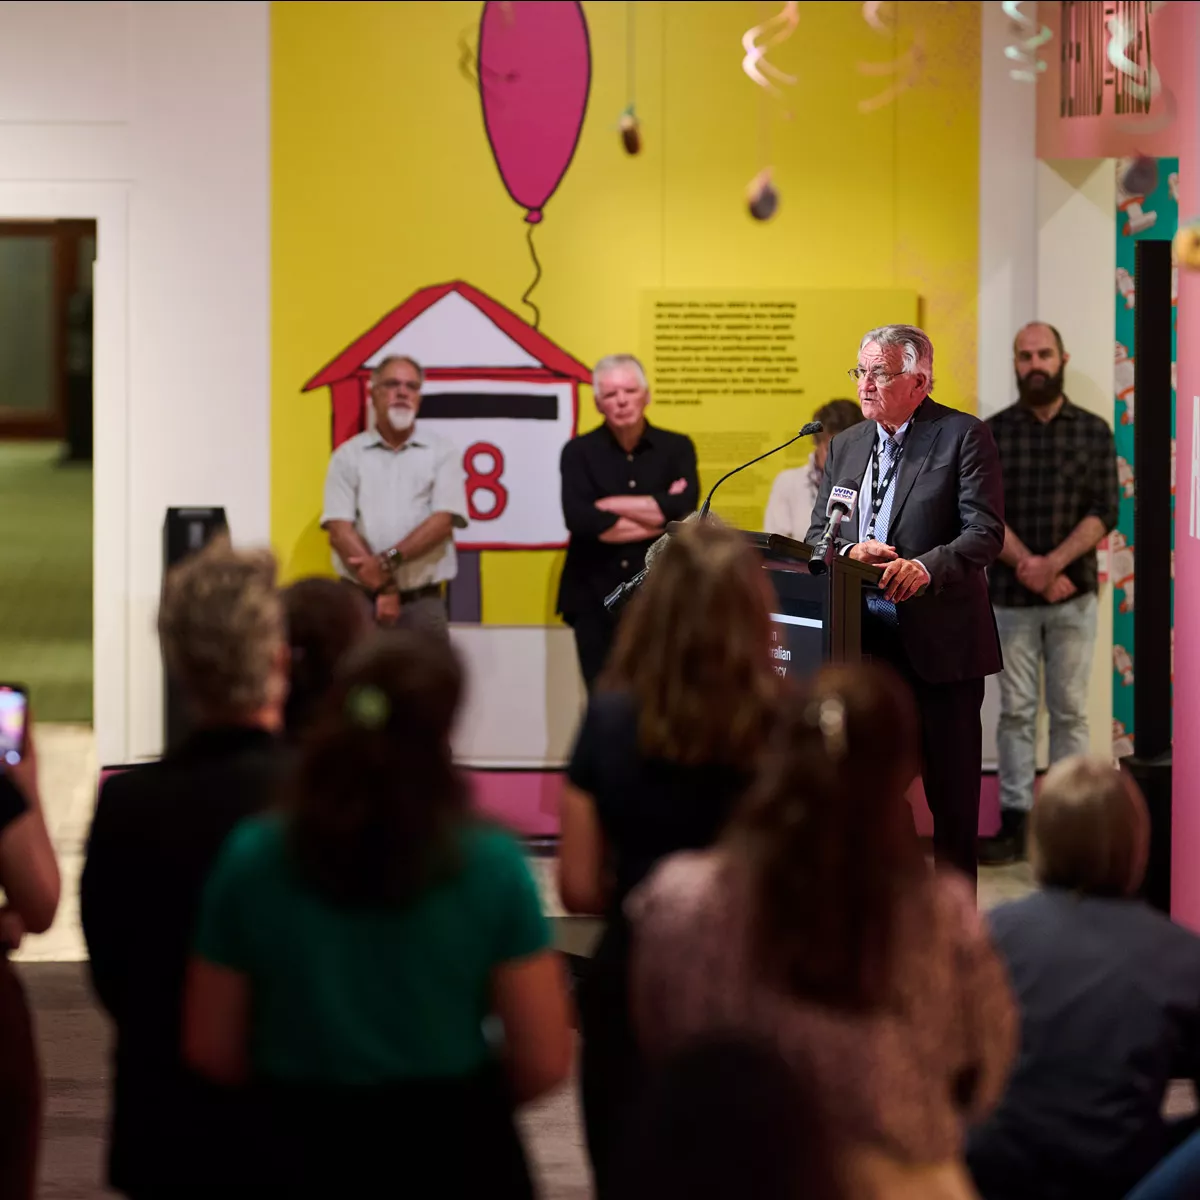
(842, 497)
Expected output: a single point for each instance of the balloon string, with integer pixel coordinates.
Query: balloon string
(631, 54)
(537, 312)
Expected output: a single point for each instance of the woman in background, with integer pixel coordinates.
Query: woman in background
(30, 880)
(818, 924)
(325, 618)
(375, 961)
(669, 742)
(794, 492)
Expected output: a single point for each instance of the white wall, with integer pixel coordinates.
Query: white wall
(1076, 288)
(165, 106)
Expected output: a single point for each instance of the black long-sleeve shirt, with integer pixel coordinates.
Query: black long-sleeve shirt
(595, 465)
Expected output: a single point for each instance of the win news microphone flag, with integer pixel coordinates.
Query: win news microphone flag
(843, 499)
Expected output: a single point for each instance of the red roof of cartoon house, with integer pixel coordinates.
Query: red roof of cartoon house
(454, 327)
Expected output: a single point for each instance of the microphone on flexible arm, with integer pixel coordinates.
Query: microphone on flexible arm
(806, 431)
(838, 508)
(620, 594)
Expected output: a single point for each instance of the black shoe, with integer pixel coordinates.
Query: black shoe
(1008, 846)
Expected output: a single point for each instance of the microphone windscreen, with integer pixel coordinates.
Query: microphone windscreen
(658, 546)
(811, 428)
(843, 495)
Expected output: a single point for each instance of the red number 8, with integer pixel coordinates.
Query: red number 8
(486, 481)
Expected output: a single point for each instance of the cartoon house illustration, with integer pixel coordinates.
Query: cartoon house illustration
(504, 394)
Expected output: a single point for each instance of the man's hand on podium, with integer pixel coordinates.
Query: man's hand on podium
(903, 578)
(873, 552)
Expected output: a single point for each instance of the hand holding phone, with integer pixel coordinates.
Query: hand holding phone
(14, 724)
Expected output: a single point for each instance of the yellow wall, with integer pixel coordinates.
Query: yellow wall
(383, 183)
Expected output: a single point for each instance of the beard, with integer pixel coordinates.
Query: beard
(401, 418)
(1040, 388)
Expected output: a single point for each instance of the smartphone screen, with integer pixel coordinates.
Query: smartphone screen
(14, 706)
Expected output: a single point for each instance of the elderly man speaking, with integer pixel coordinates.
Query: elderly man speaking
(931, 512)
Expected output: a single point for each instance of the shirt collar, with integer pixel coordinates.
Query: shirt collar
(377, 439)
(882, 435)
(647, 438)
(1067, 411)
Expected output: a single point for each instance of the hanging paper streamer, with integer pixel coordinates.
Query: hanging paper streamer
(774, 33)
(1024, 53)
(629, 125)
(762, 197)
(905, 70)
(535, 72)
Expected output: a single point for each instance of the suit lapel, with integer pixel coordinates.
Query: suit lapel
(917, 445)
(858, 454)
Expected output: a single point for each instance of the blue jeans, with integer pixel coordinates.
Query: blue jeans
(1058, 638)
(1176, 1177)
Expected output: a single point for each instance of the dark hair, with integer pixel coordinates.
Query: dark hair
(376, 801)
(693, 650)
(830, 839)
(324, 619)
(838, 415)
(726, 1116)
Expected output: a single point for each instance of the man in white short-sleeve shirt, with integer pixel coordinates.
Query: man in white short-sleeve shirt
(393, 497)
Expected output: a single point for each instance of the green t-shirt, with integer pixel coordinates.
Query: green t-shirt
(353, 996)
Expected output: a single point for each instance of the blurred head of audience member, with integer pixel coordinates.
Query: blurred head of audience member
(324, 619)
(1089, 830)
(692, 650)
(727, 1117)
(836, 416)
(221, 625)
(829, 836)
(377, 802)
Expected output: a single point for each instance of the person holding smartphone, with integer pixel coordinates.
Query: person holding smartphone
(30, 880)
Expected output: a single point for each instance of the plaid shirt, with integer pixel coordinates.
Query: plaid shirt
(1055, 474)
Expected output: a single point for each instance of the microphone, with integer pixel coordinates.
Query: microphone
(809, 429)
(843, 498)
(617, 597)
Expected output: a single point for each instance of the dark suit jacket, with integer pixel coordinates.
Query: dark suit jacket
(155, 835)
(948, 512)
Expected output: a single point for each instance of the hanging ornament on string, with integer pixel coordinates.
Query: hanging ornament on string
(629, 125)
(534, 72)
(1029, 38)
(1186, 245)
(762, 197)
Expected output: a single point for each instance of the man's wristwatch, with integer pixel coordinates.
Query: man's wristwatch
(389, 560)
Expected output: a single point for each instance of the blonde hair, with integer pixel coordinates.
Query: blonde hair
(1089, 830)
(221, 625)
(694, 651)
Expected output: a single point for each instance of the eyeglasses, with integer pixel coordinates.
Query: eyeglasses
(398, 385)
(879, 376)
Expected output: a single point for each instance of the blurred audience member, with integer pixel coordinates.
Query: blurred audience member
(155, 835)
(30, 882)
(670, 740)
(1109, 992)
(354, 949)
(726, 1119)
(817, 923)
(324, 619)
(794, 492)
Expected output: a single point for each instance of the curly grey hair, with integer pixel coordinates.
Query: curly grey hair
(221, 625)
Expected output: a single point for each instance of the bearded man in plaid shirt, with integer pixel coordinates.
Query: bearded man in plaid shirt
(1060, 500)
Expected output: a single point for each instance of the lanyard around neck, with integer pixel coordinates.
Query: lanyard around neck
(880, 487)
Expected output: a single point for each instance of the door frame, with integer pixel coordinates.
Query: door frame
(108, 205)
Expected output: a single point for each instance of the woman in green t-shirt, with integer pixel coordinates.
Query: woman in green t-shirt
(371, 956)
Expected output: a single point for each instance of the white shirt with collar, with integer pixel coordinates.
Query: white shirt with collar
(387, 492)
(866, 488)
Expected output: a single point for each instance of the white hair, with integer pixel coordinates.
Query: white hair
(914, 342)
(383, 364)
(613, 362)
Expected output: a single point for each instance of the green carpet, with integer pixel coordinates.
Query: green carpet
(46, 579)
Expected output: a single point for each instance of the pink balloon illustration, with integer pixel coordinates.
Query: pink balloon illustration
(535, 71)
